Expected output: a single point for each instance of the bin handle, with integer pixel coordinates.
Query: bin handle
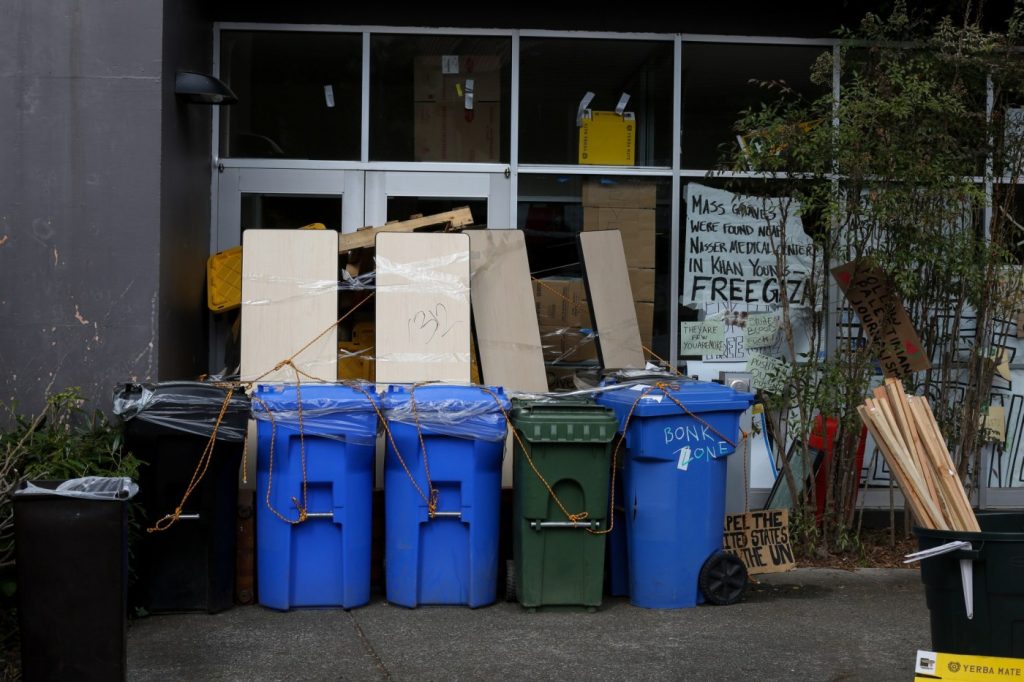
(963, 548)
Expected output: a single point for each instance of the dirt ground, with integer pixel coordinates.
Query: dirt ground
(876, 551)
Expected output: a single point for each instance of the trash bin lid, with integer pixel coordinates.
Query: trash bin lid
(696, 396)
(450, 410)
(182, 406)
(564, 420)
(334, 410)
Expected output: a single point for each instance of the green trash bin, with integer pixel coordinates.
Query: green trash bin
(558, 562)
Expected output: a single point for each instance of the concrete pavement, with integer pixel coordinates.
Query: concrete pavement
(808, 624)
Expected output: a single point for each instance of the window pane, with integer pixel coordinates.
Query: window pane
(720, 81)
(439, 98)
(298, 95)
(405, 208)
(289, 211)
(557, 73)
(554, 209)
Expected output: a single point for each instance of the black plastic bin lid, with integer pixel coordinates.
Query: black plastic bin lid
(190, 407)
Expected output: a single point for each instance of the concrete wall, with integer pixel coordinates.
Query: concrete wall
(186, 131)
(79, 195)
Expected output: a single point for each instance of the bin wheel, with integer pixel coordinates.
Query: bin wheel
(723, 579)
(510, 580)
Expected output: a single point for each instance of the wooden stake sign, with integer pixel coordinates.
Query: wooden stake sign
(761, 540)
(883, 318)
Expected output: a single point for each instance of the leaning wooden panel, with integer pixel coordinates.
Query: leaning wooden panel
(507, 335)
(289, 296)
(611, 301)
(422, 307)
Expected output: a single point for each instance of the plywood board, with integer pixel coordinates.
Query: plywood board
(423, 319)
(611, 302)
(289, 296)
(507, 335)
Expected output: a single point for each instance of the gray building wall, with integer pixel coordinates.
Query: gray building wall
(101, 279)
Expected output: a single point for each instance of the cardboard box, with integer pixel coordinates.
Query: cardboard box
(567, 344)
(607, 138)
(636, 226)
(561, 302)
(620, 194)
(442, 78)
(645, 320)
(443, 133)
(641, 283)
(560, 378)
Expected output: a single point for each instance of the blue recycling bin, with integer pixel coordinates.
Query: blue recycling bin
(452, 556)
(674, 484)
(323, 560)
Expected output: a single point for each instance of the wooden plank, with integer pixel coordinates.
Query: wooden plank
(885, 419)
(423, 318)
(944, 463)
(289, 296)
(893, 390)
(611, 302)
(505, 318)
(362, 238)
(898, 460)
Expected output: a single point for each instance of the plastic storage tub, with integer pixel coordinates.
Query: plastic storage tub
(323, 560)
(71, 550)
(450, 557)
(997, 555)
(674, 483)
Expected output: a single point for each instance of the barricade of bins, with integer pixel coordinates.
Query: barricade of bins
(444, 446)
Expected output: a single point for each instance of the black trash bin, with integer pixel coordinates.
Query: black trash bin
(997, 556)
(190, 566)
(71, 553)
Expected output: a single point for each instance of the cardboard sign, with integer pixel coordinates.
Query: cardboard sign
(701, 338)
(883, 318)
(761, 329)
(964, 668)
(767, 373)
(761, 540)
(733, 246)
(993, 424)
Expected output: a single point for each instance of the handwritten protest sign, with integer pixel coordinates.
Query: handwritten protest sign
(762, 329)
(732, 248)
(761, 540)
(883, 318)
(701, 338)
(767, 373)
(730, 264)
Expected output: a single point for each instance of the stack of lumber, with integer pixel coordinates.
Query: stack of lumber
(906, 432)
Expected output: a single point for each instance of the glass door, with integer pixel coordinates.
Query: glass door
(400, 195)
(274, 198)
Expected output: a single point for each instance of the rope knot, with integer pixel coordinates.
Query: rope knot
(303, 513)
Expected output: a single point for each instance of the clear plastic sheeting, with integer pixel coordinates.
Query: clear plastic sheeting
(189, 407)
(87, 487)
(449, 410)
(338, 411)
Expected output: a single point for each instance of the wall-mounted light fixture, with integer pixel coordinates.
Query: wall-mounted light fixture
(199, 88)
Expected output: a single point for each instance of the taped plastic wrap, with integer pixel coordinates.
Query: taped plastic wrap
(87, 487)
(448, 410)
(438, 276)
(183, 406)
(342, 412)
